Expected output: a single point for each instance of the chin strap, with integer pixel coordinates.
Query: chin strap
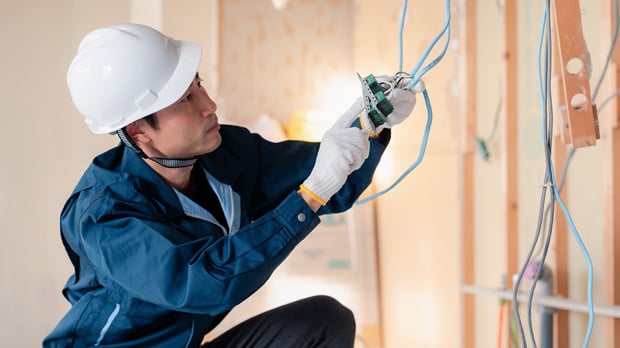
(166, 162)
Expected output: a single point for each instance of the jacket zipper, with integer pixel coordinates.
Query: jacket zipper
(108, 323)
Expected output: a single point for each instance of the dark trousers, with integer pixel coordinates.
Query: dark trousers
(318, 321)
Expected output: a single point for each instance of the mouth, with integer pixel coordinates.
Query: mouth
(215, 127)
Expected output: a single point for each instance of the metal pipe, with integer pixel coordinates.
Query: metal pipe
(544, 287)
(557, 302)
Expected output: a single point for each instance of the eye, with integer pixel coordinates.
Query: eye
(186, 98)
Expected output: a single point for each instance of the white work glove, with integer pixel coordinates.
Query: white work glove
(402, 99)
(343, 149)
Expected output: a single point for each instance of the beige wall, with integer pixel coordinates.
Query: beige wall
(417, 231)
(584, 180)
(45, 146)
(281, 61)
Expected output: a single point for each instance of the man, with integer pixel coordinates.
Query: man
(185, 219)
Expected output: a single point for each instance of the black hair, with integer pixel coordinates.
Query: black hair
(151, 120)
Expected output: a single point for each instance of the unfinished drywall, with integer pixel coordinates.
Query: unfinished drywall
(417, 220)
(45, 146)
(583, 185)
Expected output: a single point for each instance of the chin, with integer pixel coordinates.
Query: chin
(214, 143)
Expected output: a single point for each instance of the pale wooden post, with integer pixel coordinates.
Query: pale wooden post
(578, 127)
(611, 178)
(580, 124)
(468, 137)
(510, 145)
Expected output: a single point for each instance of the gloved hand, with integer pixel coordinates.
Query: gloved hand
(402, 99)
(343, 149)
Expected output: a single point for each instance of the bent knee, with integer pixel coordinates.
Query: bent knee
(331, 309)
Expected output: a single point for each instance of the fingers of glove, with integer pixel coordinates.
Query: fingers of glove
(356, 147)
(402, 98)
(419, 87)
(341, 152)
(349, 116)
(403, 101)
(349, 138)
(350, 146)
(362, 151)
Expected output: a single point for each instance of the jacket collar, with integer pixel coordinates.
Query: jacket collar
(152, 184)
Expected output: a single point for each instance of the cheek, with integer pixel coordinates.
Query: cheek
(177, 125)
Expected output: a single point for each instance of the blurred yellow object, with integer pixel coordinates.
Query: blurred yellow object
(309, 125)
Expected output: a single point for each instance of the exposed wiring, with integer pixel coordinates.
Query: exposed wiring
(608, 99)
(416, 74)
(547, 135)
(549, 206)
(614, 39)
(514, 331)
(403, 16)
(547, 126)
(599, 83)
(482, 143)
(517, 284)
(601, 106)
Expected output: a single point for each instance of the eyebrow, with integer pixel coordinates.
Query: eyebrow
(196, 77)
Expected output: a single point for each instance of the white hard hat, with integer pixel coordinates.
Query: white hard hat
(125, 72)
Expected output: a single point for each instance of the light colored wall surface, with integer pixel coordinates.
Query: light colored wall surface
(584, 180)
(488, 179)
(418, 235)
(276, 62)
(45, 147)
(198, 21)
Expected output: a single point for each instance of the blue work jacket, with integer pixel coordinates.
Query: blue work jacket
(154, 269)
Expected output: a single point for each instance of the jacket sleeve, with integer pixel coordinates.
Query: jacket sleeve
(133, 250)
(291, 164)
(274, 170)
(356, 183)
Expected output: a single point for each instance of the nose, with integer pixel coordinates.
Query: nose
(206, 104)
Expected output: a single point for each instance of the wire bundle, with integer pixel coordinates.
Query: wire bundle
(546, 213)
(416, 74)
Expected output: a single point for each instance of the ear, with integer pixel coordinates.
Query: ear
(136, 131)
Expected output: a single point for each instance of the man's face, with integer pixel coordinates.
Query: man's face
(187, 128)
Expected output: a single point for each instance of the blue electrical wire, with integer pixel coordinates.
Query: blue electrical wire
(400, 36)
(427, 130)
(614, 39)
(596, 90)
(556, 193)
(517, 284)
(416, 76)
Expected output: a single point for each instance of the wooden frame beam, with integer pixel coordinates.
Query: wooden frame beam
(559, 263)
(511, 133)
(579, 116)
(610, 132)
(468, 137)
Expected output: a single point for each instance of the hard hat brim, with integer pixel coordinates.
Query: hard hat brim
(189, 60)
